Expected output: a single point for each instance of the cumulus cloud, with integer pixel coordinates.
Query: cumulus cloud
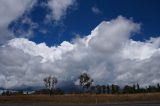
(48, 53)
(107, 54)
(10, 10)
(59, 8)
(148, 49)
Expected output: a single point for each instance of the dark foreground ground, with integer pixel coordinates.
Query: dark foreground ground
(147, 99)
(82, 98)
(115, 104)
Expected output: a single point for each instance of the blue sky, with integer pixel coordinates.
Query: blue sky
(114, 41)
(80, 19)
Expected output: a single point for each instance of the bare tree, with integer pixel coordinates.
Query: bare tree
(50, 83)
(85, 81)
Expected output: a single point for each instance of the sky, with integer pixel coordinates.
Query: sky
(114, 41)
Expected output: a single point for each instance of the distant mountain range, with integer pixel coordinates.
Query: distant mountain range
(67, 87)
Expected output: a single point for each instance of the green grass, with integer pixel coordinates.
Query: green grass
(81, 98)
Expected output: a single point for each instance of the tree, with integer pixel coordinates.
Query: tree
(158, 87)
(50, 83)
(127, 89)
(113, 88)
(85, 81)
(117, 89)
(138, 87)
(103, 89)
(134, 88)
(93, 89)
(108, 89)
(98, 89)
(130, 89)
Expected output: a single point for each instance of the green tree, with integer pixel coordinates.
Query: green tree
(85, 81)
(113, 88)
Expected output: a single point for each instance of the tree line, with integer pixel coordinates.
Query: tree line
(86, 82)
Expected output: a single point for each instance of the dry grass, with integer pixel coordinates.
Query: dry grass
(81, 98)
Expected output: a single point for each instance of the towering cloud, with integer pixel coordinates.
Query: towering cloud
(107, 54)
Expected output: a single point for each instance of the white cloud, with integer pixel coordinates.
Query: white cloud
(9, 11)
(59, 8)
(132, 49)
(96, 10)
(107, 54)
(33, 49)
(113, 34)
(12, 10)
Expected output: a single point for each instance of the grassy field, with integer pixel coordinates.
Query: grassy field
(81, 98)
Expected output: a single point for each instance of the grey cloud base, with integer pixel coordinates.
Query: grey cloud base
(107, 54)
